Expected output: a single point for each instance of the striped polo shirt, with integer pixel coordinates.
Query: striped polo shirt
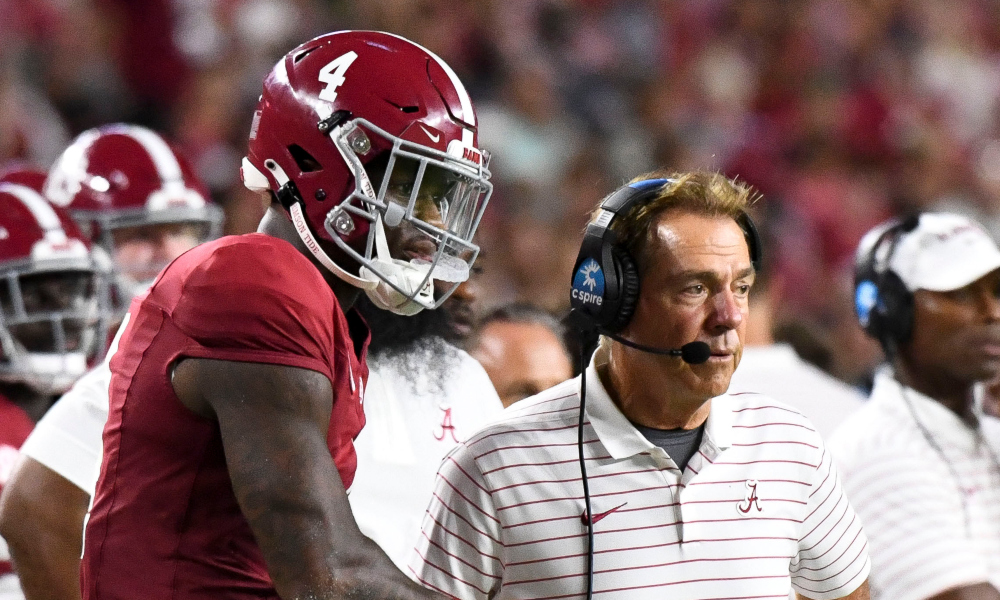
(931, 528)
(758, 510)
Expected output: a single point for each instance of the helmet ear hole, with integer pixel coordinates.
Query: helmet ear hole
(304, 160)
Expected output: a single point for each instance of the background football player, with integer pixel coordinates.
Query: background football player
(50, 284)
(138, 196)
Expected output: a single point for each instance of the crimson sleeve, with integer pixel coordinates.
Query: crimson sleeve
(258, 300)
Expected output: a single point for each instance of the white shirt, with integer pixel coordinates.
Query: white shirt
(758, 509)
(991, 430)
(68, 438)
(911, 503)
(10, 589)
(778, 372)
(410, 427)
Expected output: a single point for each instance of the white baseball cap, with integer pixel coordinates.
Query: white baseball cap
(944, 252)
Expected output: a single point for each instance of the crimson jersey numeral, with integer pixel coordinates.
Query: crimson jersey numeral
(333, 75)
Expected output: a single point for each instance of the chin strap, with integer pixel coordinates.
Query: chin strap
(404, 275)
(300, 223)
(302, 227)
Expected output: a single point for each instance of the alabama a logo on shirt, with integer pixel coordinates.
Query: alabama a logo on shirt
(446, 427)
(751, 503)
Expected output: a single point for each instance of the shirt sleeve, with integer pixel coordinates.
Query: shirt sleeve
(68, 438)
(258, 302)
(458, 552)
(913, 517)
(832, 560)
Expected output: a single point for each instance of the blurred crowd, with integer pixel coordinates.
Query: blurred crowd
(840, 112)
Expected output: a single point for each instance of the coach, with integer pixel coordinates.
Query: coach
(915, 460)
(693, 494)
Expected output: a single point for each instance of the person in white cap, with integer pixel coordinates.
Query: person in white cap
(919, 471)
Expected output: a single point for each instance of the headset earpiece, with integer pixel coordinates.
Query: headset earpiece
(752, 237)
(883, 304)
(628, 298)
(894, 310)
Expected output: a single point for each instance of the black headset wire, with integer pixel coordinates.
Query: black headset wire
(587, 347)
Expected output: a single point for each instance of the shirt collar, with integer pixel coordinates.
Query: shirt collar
(621, 438)
(932, 415)
(719, 427)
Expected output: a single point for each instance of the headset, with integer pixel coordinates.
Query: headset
(882, 303)
(605, 287)
(605, 292)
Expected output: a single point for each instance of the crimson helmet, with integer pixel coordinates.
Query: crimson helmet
(357, 131)
(53, 294)
(17, 172)
(124, 176)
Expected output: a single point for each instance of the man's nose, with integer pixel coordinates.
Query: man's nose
(466, 292)
(727, 312)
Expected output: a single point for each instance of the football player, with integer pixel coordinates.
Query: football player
(140, 199)
(49, 310)
(49, 279)
(137, 197)
(238, 380)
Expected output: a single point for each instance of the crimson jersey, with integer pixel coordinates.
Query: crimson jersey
(14, 429)
(165, 522)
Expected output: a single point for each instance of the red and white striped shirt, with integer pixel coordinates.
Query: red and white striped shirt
(758, 510)
(931, 528)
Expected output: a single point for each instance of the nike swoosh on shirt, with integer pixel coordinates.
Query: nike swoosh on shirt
(599, 516)
(434, 138)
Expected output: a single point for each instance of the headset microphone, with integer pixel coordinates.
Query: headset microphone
(693, 353)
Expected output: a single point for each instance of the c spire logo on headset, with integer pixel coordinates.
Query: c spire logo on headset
(588, 283)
